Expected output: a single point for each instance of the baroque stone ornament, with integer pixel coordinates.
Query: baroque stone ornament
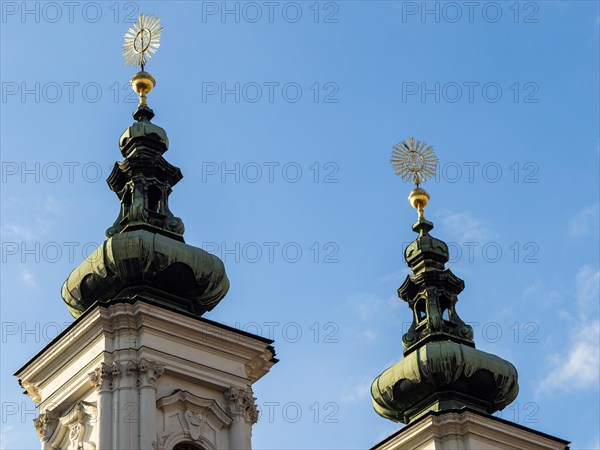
(32, 391)
(256, 366)
(441, 368)
(145, 253)
(196, 419)
(70, 430)
(45, 424)
(149, 372)
(101, 377)
(132, 371)
(144, 372)
(241, 403)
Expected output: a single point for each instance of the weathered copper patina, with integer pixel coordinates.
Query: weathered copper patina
(441, 369)
(145, 253)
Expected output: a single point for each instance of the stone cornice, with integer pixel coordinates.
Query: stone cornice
(467, 424)
(106, 331)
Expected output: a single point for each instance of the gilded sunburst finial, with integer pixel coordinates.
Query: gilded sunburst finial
(142, 40)
(415, 161)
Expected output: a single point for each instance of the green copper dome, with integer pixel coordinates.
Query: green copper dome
(142, 262)
(145, 253)
(441, 368)
(444, 375)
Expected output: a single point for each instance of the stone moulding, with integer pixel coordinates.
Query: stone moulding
(467, 428)
(189, 417)
(70, 430)
(256, 366)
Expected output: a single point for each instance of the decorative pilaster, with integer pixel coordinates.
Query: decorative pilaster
(45, 424)
(241, 407)
(101, 378)
(148, 373)
(134, 387)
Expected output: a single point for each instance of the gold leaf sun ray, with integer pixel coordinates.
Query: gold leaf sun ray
(414, 161)
(142, 40)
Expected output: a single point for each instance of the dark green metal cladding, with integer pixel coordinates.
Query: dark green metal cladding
(444, 375)
(143, 181)
(441, 368)
(431, 293)
(145, 253)
(142, 262)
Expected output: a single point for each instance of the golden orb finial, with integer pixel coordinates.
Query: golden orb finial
(142, 40)
(415, 161)
(142, 83)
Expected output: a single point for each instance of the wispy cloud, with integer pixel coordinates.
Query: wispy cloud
(595, 443)
(367, 335)
(52, 205)
(579, 366)
(19, 231)
(368, 306)
(7, 430)
(397, 277)
(586, 221)
(27, 278)
(32, 230)
(463, 227)
(34, 227)
(539, 290)
(358, 392)
(587, 290)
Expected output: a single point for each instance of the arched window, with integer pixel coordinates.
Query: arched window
(126, 201)
(420, 309)
(186, 446)
(154, 198)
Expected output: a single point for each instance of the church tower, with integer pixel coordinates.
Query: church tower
(444, 389)
(140, 368)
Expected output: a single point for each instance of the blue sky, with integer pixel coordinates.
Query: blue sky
(282, 120)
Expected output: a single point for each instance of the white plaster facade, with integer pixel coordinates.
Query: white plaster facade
(468, 430)
(139, 376)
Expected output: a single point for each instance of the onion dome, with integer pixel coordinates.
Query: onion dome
(145, 253)
(441, 368)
